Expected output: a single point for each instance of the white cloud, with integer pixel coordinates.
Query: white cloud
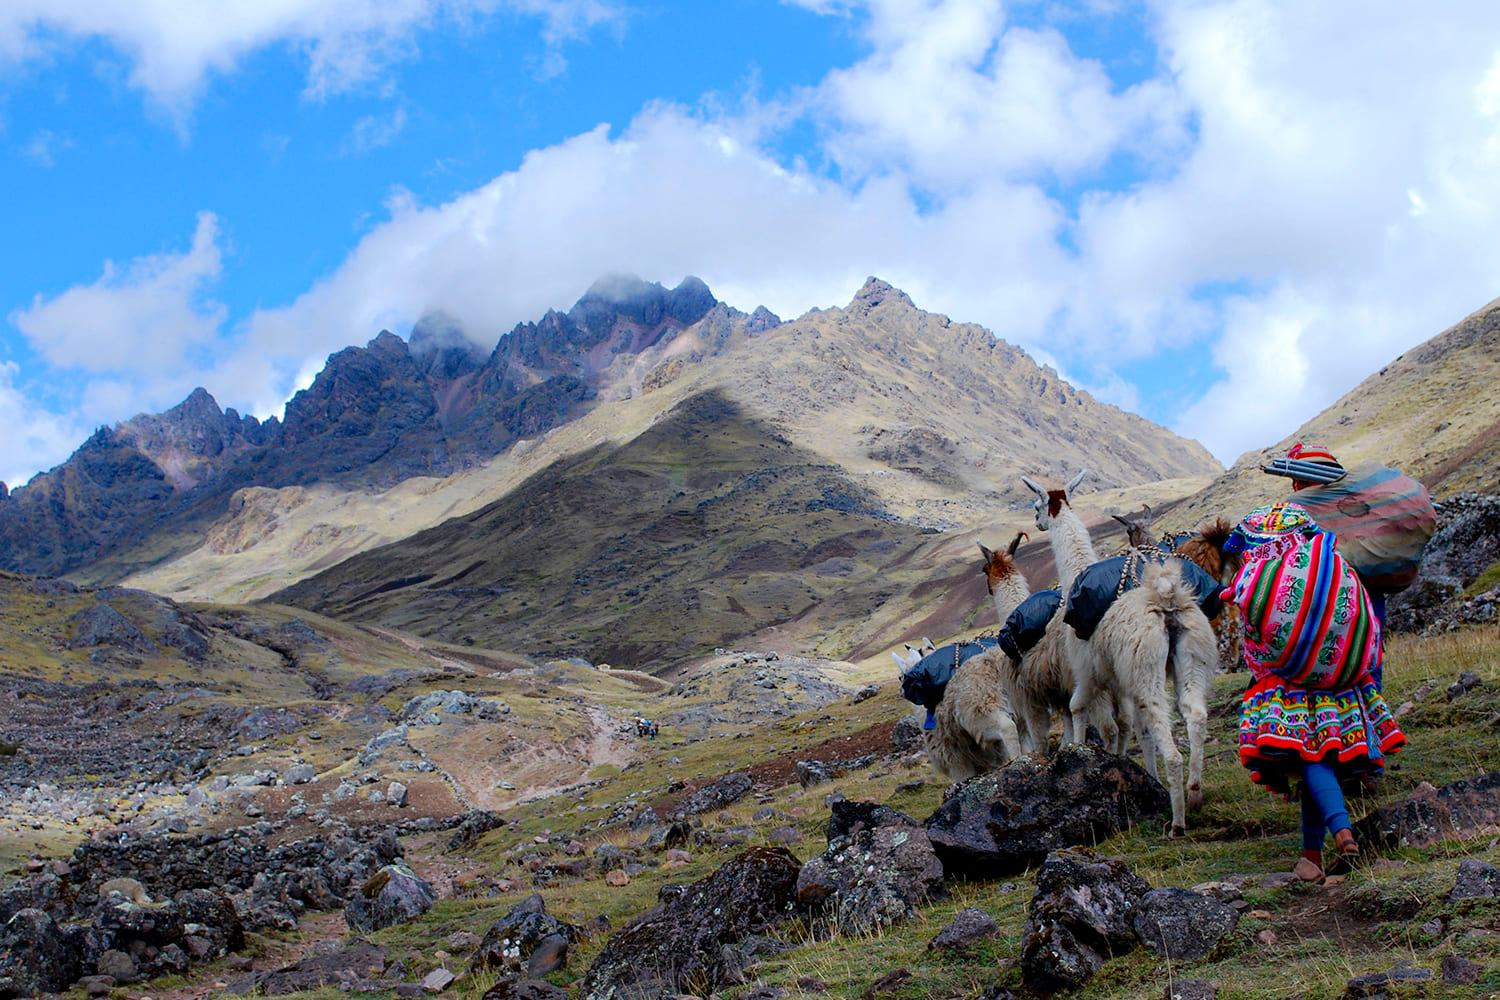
(44, 147)
(174, 45)
(371, 132)
(142, 319)
(34, 438)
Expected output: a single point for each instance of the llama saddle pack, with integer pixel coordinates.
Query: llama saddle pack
(1096, 588)
(928, 678)
(1028, 623)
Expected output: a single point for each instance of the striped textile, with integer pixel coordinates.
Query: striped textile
(1382, 520)
(1307, 619)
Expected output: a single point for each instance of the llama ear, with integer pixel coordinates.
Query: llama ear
(1016, 542)
(1035, 488)
(989, 556)
(1073, 483)
(1147, 508)
(900, 663)
(1117, 517)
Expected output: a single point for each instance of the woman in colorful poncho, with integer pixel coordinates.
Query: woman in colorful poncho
(1313, 714)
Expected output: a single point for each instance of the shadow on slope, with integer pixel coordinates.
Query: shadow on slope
(707, 528)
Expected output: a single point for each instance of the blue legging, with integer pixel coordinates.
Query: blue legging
(1323, 809)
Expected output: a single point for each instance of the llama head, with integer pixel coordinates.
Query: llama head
(1137, 527)
(1049, 503)
(999, 566)
(1212, 535)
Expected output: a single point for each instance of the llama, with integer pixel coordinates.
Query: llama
(1151, 633)
(1205, 546)
(975, 731)
(1072, 549)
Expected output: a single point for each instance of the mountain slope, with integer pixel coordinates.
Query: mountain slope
(1433, 412)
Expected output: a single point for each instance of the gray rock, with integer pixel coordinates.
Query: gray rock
(511, 941)
(1378, 984)
(1083, 913)
(847, 817)
(907, 737)
(550, 954)
(1475, 880)
(300, 774)
(1182, 925)
(1431, 815)
(1005, 821)
(437, 981)
(970, 925)
(724, 792)
(395, 794)
(818, 772)
(524, 989)
(872, 880)
(118, 966)
(1461, 971)
(681, 942)
(394, 895)
(1191, 989)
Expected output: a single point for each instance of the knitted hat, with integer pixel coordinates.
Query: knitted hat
(1313, 453)
(1284, 523)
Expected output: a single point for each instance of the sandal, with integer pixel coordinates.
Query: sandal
(1348, 853)
(1307, 870)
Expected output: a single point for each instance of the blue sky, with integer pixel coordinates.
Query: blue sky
(1219, 213)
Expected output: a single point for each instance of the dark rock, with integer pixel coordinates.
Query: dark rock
(38, 956)
(524, 989)
(1432, 815)
(818, 772)
(1182, 925)
(1008, 820)
(358, 959)
(887, 983)
(681, 942)
(512, 941)
(848, 816)
(876, 878)
(394, 895)
(906, 737)
(550, 954)
(1083, 914)
(865, 693)
(1191, 989)
(970, 925)
(1460, 971)
(1476, 880)
(1376, 984)
(717, 795)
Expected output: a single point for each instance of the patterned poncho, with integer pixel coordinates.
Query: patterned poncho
(1307, 619)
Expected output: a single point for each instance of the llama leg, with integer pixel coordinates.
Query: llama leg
(1157, 720)
(1192, 704)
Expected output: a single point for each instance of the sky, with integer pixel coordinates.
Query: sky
(1221, 214)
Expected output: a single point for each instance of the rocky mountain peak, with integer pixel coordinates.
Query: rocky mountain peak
(877, 292)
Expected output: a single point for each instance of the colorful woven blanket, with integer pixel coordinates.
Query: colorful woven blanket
(1382, 520)
(1307, 619)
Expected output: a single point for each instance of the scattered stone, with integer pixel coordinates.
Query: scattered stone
(1008, 820)
(1267, 938)
(461, 940)
(1279, 880)
(683, 941)
(808, 984)
(1083, 913)
(820, 772)
(512, 940)
(549, 955)
(865, 693)
(1182, 925)
(1475, 880)
(395, 794)
(1461, 971)
(724, 792)
(1376, 984)
(886, 983)
(356, 960)
(437, 981)
(906, 736)
(784, 835)
(473, 826)
(524, 989)
(97, 986)
(1191, 989)
(393, 895)
(300, 774)
(847, 817)
(872, 880)
(617, 877)
(1431, 815)
(970, 925)
(1467, 681)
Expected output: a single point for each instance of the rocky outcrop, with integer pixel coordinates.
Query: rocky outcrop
(693, 939)
(1432, 815)
(512, 941)
(876, 877)
(1008, 820)
(393, 895)
(1466, 543)
(1082, 915)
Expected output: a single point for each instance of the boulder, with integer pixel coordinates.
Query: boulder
(524, 989)
(969, 926)
(357, 960)
(1432, 814)
(848, 816)
(716, 795)
(871, 880)
(513, 941)
(394, 895)
(1182, 925)
(1008, 820)
(1475, 880)
(818, 772)
(1083, 914)
(691, 940)
(38, 955)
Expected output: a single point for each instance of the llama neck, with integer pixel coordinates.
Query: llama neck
(1072, 549)
(1009, 593)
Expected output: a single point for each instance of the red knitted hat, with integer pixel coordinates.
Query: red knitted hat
(1313, 453)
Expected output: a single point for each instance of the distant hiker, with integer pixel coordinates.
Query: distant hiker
(1381, 518)
(1313, 714)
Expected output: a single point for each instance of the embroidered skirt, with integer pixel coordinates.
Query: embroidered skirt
(1283, 726)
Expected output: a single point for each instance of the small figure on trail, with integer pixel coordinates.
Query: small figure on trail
(645, 727)
(1313, 721)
